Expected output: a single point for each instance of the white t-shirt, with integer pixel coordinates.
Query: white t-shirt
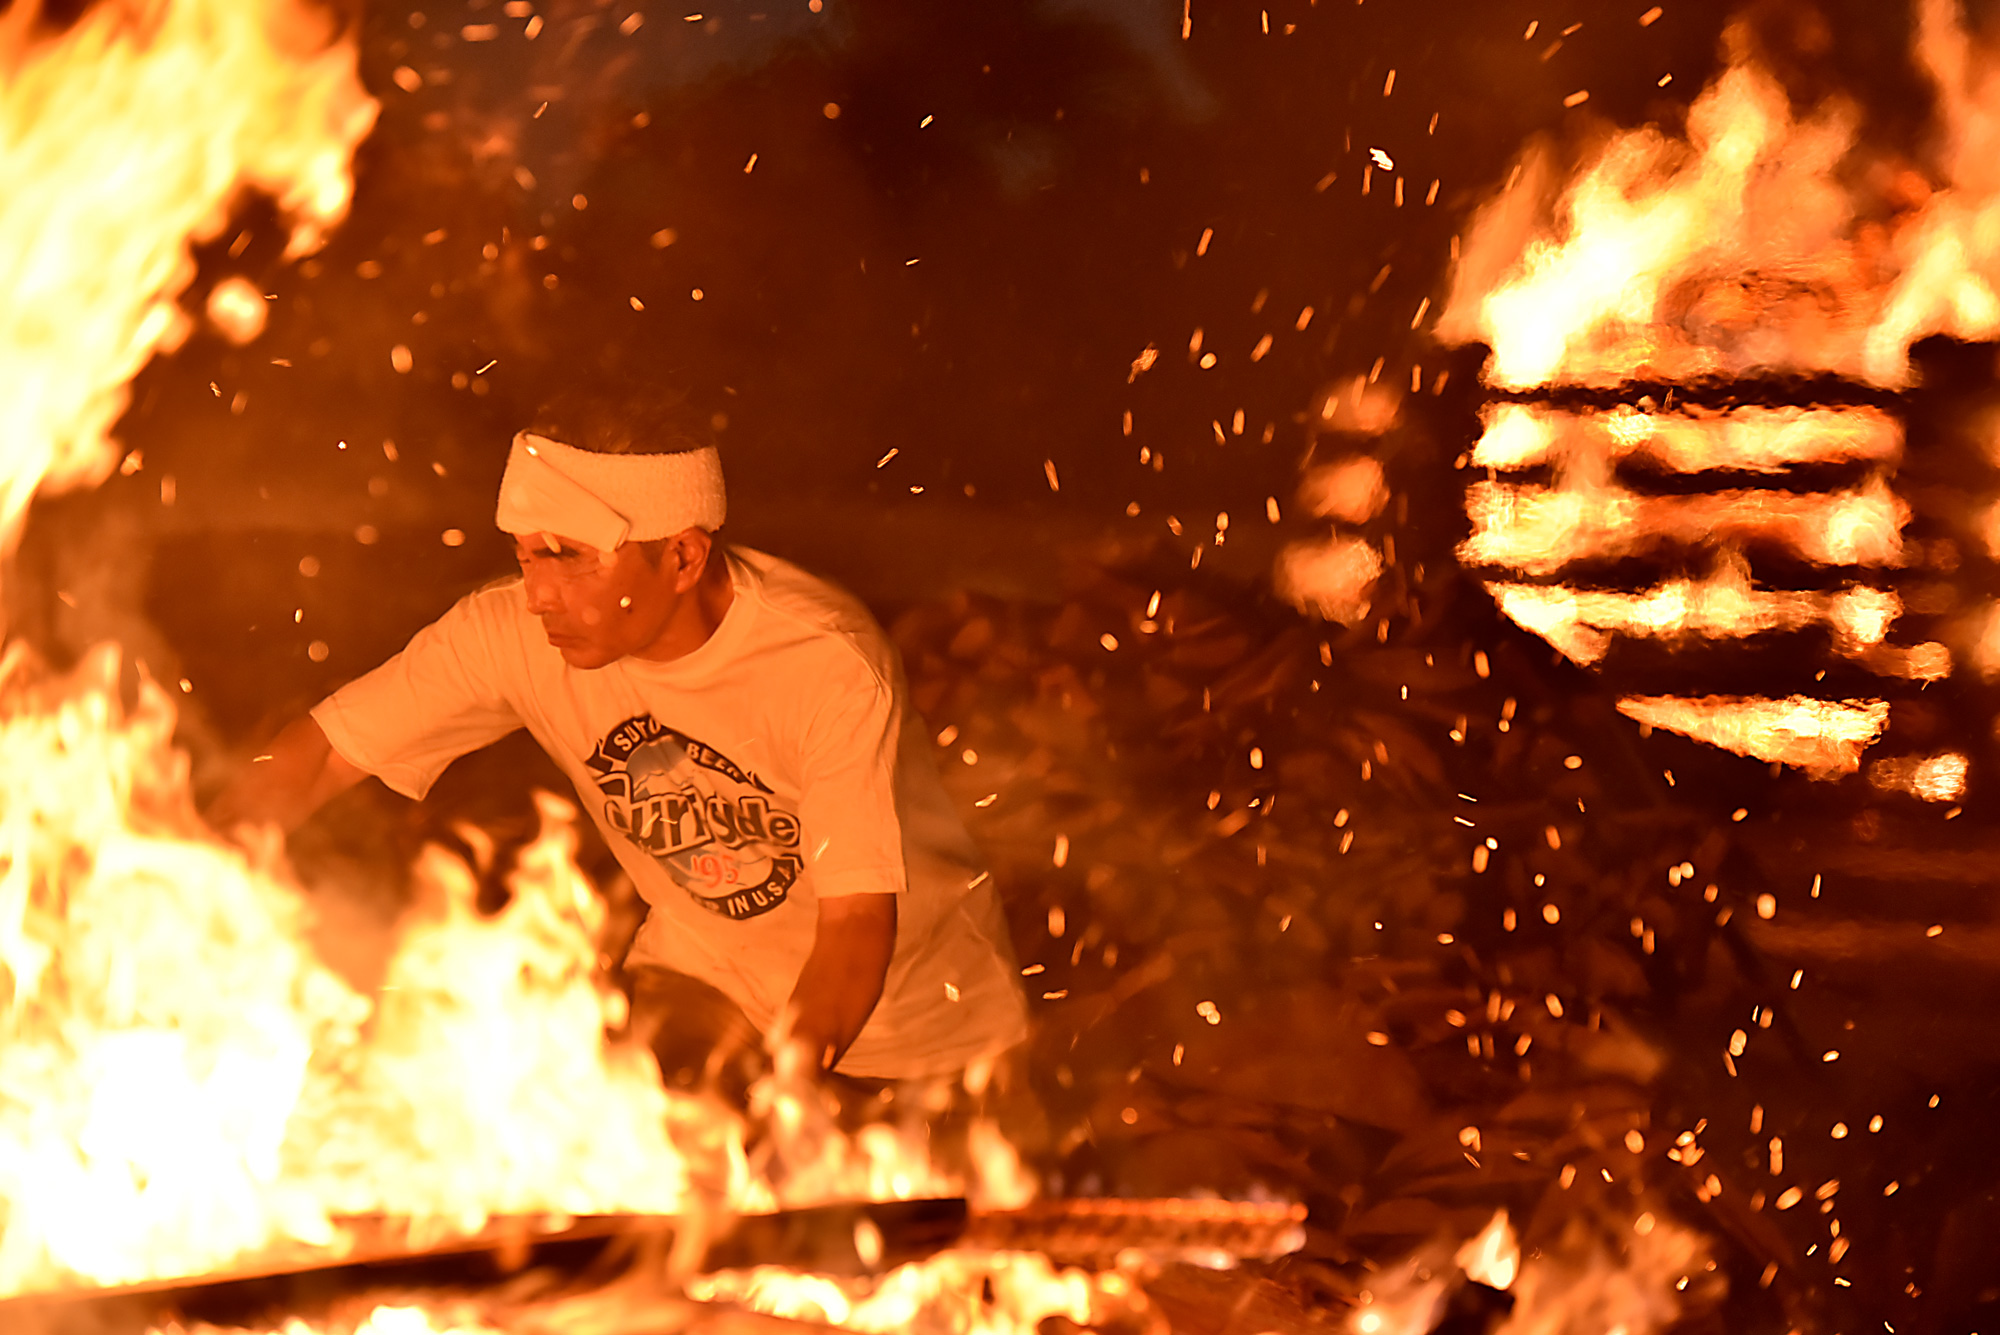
(738, 784)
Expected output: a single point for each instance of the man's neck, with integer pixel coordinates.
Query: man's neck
(699, 615)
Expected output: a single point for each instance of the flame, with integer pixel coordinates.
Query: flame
(1762, 242)
(1740, 250)
(120, 142)
(949, 1291)
(1823, 737)
(1352, 491)
(185, 1084)
(1581, 623)
(1492, 1258)
(810, 1159)
(146, 1077)
(1578, 1286)
(1587, 513)
(1689, 439)
(182, 1083)
(1333, 575)
(966, 1292)
(1571, 1284)
(485, 1086)
(1400, 1304)
(383, 1319)
(1939, 778)
(1538, 529)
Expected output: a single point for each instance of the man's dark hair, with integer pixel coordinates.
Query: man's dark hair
(624, 418)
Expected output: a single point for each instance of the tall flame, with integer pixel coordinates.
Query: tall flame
(183, 1084)
(146, 1078)
(1761, 243)
(141, 1122)
(1741, 250)
(121, 141)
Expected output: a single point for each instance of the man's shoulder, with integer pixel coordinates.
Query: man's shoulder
(813, 611)
(498, 601)
(495, 614)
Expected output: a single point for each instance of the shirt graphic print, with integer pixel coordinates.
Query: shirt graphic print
(711, 824)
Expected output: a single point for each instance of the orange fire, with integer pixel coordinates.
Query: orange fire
(1750, 248)
(969, 1293)
(1538, 530)
(1492, 1258)
(183, 1084)
(1939, 778)
(980, 1293)
(1739, 251)
(186, 1085)
(1825, 738)
(1686, 440)
(1573, 1282)
(120, 142)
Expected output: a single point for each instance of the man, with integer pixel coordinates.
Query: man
(738, 730)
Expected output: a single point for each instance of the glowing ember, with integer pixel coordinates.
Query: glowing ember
(237, 309)
(1352, 491)
(1823, 737)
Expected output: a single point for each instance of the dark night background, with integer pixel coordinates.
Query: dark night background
(925, 298)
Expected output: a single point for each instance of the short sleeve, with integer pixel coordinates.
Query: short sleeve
(442, 696)
(847, 799)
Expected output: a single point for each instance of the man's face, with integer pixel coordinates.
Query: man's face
(597, 608)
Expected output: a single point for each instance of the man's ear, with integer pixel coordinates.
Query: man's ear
(692, 548)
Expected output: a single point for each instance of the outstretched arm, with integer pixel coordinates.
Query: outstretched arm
(297, 774)
(843, 976)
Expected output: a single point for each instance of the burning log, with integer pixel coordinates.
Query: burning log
(841, 1240)
(1094, 1232)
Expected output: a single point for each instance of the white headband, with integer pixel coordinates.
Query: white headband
(550, 487)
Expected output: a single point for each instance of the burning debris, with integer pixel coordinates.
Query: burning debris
(1642, 350)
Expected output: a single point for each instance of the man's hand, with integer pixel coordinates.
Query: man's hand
(842, 978)
(296, 774)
